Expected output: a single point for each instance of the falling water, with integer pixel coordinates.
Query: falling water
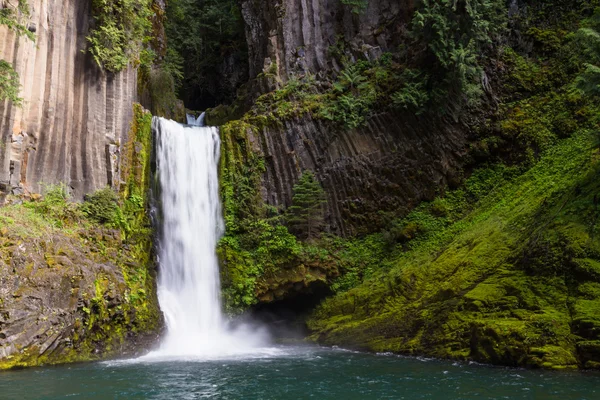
(192, 120)
(191, 225)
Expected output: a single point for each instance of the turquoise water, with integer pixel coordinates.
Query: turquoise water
(296, 373)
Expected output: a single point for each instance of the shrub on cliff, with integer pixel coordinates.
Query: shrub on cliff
(54, 206)
(12, 16)
(119, 32)
(588, 40)
(454, 35)
(101, 206)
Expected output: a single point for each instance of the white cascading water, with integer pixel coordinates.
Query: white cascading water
(188, 285)
(192, 120)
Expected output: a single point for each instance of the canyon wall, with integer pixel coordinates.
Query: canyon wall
(298, 35)
(387, 166)
(74, 116)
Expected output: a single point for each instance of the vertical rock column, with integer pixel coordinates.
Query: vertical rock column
(74, 116)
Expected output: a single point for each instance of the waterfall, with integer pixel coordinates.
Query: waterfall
(191, 224)
(192, 120)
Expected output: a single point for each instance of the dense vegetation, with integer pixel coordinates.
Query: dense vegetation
(588, 37)
(512, 282)
(120, 32)
(208, 37)
(500, 269)
(504, 269)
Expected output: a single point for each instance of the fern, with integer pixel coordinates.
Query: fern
(121, 28)
(456, 34)
(588, 40)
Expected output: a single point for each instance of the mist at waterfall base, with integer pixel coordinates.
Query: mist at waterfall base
(190, 226)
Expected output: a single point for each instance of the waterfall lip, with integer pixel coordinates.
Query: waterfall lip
(193, 121)
(187, 158)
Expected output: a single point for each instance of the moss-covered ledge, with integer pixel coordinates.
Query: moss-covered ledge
(77, 281)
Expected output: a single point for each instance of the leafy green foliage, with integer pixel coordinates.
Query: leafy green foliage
(297, 97)
(173, 65)
(55, 206)
(359, 90)
(413, 96)
(12, 17)
(261, 251)
(541, 106)
(101, 206)
(354, 98)
(204, 33)
(454, 33)
(357, 6)
(258, 252)
(9, 83)
(305, 215)
(132, 215)
(507, 272)
(588, 38)
(357, 259)
(120, 28)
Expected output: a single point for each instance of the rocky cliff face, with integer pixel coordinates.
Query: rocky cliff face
(72, 287)
(64, 302)
(387, 166)
(74, 116)
(298, 35)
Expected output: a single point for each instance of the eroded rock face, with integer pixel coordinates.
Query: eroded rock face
(74, 115)
(63, 298)
(297, 35)
(389, 165)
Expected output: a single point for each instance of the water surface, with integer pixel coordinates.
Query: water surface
(295, 373)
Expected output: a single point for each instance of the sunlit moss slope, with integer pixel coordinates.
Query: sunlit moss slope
(516, 282)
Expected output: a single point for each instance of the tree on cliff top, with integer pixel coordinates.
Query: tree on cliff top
(305, 216)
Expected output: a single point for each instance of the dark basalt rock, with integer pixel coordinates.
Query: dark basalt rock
(388, 166)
